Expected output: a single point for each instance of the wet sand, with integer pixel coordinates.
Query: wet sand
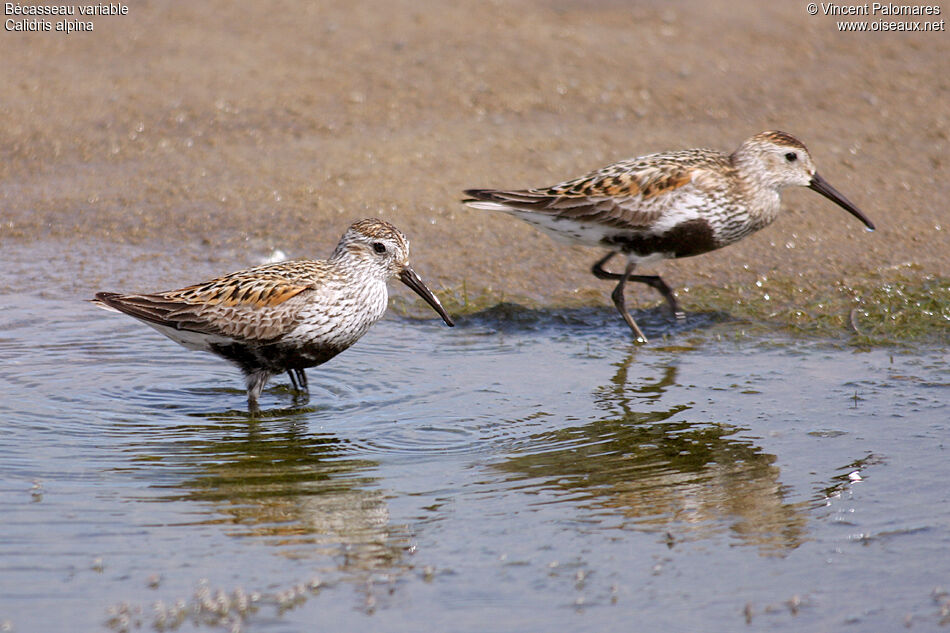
(201, 138)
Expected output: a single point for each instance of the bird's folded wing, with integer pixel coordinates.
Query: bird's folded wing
(621, 199)
(257, 307)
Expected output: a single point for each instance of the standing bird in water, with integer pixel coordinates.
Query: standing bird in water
(673, 204)
(287, 316)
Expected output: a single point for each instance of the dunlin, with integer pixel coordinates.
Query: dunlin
(287, 316)
(667, 205)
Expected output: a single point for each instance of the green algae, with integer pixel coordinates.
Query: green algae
(889, 307)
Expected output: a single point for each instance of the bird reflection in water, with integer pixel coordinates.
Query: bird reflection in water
(303, 493)
(658, 466)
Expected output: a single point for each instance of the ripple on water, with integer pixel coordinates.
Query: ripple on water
(423, 445)
(512, 318)
(96, 357)
(417, 437)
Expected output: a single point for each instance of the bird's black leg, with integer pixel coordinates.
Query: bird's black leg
(654, 281)
(255, 384)
(302, 379)
(598, 268)
(298, 378)
(620, 302)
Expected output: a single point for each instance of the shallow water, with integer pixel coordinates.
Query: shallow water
(523, 471)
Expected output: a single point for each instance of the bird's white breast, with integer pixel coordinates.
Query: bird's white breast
(339, 316)
(689, 206)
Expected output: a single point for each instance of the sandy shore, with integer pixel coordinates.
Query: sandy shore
(204, 137)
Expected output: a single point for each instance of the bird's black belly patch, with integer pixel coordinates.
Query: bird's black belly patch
(693, 237)
(275, 357)
(244, 356)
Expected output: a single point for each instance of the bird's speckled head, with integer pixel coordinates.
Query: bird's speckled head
(376, 245)
(775, 159)
(377, 248)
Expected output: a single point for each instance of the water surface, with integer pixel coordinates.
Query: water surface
(523, 471)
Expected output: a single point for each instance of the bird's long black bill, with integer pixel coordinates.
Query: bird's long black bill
(821, 185)
(411, 279)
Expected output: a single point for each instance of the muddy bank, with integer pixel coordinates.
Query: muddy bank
(202, 137)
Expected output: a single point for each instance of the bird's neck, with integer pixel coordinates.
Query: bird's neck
(762, 194)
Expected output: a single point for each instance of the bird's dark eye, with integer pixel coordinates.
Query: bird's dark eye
(379, 247)
(791, 157)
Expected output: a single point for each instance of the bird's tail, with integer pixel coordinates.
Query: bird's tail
(103, 300)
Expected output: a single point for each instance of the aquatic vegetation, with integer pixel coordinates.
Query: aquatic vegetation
(883, 309)
(889, 307)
